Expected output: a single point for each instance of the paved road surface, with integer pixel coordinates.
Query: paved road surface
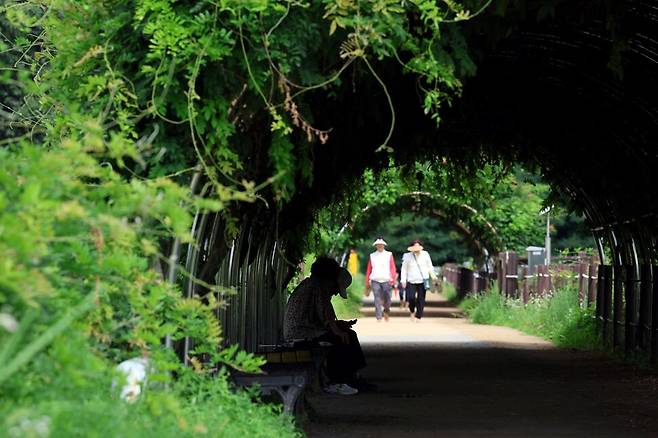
(446, 377)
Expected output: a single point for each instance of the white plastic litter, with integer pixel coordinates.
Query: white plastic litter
(8, 322)
(135, 370)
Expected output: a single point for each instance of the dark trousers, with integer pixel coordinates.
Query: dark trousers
(343, 360)
(416, 298)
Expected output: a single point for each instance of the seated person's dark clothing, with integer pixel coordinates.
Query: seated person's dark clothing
(308, 315)
(308, 312)
(343, 360)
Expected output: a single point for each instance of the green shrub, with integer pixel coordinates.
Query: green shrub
(557, 317)
(192, 406)
(488, 308)
(449, 292)
(77, 297)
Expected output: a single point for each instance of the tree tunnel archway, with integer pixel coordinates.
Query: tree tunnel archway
(479, 233)
(544, 95)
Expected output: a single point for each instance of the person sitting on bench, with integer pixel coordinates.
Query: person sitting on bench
(310, 316)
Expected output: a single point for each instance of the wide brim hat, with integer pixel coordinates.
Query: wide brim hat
(329, 270)
(344, 281)
(379, 241)
(415, 246)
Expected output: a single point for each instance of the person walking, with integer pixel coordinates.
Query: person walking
(416, 273)
(380, 277)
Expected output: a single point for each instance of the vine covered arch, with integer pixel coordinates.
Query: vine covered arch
(166, 161)
(480, 235)
(561, 94)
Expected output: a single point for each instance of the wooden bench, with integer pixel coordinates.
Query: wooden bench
(289, 370)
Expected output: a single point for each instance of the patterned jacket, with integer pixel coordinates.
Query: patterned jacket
(309, 311)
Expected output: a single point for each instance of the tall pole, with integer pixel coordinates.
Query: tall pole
(547, 242)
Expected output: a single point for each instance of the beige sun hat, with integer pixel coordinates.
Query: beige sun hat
(416, 245)
(379, 241)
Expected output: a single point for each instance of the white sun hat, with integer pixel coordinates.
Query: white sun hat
(379, 241)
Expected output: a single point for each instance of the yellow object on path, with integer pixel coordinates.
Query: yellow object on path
(353, 262)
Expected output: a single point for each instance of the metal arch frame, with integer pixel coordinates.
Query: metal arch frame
(460, 226)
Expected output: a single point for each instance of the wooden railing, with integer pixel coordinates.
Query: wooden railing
(624, 297)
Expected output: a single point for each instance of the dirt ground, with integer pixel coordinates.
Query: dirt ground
(447, 377)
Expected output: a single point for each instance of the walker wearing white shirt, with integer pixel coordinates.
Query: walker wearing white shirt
(416, 269)
(380, 277)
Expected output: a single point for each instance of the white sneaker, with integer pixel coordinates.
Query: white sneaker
(341, 389)
(417, 319)
(412, 316)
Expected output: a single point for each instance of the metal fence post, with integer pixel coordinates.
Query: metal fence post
(629, 317)
(525, 286)
(599, 293)
(592, 288)
(644, 316)
(513, 275)
(607, 301)
(501, 272)
(618, 306)
(581, 283)
(654, 315)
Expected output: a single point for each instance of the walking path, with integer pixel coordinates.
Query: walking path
(447, 377)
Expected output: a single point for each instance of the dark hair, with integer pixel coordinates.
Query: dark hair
(325, 267)
(416, 241)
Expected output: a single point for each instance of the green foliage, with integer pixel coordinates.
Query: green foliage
(492, 207)
(449, 292)
(439, 237)
(86, 232)
(202, 81)
(122, 102)
(77, 296)
(514, 210)
(485, 309)
(558, 317)
(571, 233)
(92, 409)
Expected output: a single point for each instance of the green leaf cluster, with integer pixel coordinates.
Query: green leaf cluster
(79, 293)
(498, 204)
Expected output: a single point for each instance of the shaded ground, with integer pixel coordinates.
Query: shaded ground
(447, 377)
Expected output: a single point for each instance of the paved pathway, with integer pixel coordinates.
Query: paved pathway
(446, 377)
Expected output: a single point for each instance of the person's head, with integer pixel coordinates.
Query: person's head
(331, 275)
(379, 244)
(416, 246)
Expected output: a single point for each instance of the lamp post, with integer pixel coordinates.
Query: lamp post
(547, 241)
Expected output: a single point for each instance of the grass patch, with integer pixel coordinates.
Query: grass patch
(449, 292)
(350, 308)
(557, 318)
(192, 406)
